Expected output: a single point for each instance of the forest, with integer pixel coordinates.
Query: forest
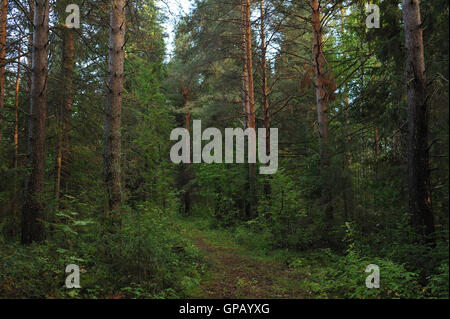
(100, 198)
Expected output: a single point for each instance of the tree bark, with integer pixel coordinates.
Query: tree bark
(3, 33)
(16, 139)
(251, 108)
(245, 89)
(112, 153)
(418, 149)
(248, 43)
(264, 89)
(347, 192)
(265, 92)
(32, 211)
(185, 91)
(321, 103)
(63, 159)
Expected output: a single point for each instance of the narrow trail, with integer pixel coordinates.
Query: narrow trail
(235, 273)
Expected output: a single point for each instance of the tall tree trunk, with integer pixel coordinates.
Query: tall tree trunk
(418, 149)
(249, 51)
(245, 89)
(347, 161)
(322, 117)
(16, 139)
(251, 100)
(32, 211)
(3, 23)
(30, 47)
(112, 153)
(63, 159)
(185, 91)
(264, 91)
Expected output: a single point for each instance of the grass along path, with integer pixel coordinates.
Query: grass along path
(233, 271)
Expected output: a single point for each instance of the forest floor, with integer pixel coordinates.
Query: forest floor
(235, 271)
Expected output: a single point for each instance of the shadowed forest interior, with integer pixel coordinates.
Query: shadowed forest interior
(357, 89)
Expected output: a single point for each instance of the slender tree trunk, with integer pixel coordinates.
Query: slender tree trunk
(3, 23)
(16, 139)
(112, 153)
(248, 42)
(347, 180)
(377, 144)
(32, 211)
(251, 100)
(16, 117)
(265, 91)
(322, 117)
(245, 94)
(186, 167)
(245, 89)
(63, 159)
(29, 49)
(418, 149)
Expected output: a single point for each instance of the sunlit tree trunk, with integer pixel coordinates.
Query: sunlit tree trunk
(16, 138)
(112, 153)
(32, 210)
(418, 149)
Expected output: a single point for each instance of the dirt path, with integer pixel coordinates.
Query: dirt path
(235, 274)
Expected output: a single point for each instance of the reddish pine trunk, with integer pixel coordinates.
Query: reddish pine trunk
(251, 120)
(32, 210)
(321, 102)
(16, 138)
(64, 147)
(249, 54)
(112, 153)
(245, 90)
(264, 91)
(418, 171)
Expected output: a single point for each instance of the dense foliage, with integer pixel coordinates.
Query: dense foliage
(148, 254)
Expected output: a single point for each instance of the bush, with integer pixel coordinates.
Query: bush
(348, 279)
(146, 257)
